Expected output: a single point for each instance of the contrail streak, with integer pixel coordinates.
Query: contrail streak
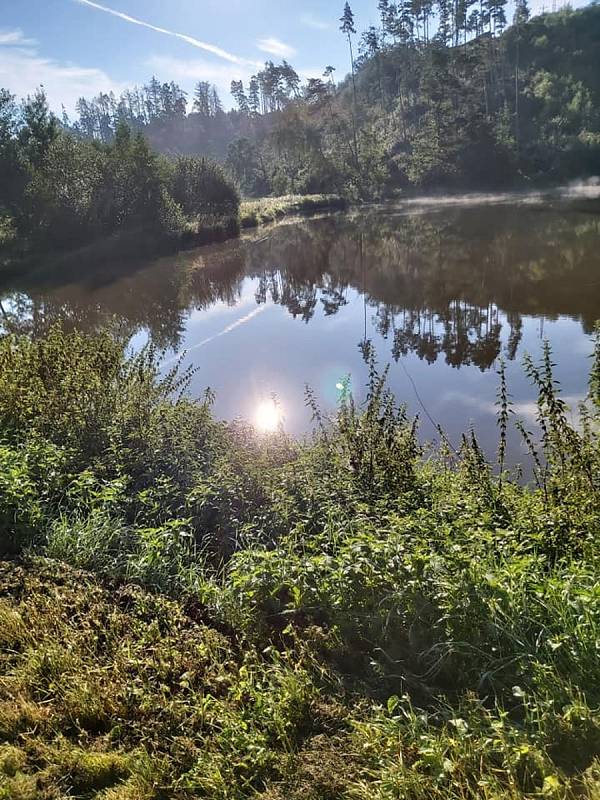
(242, 321)
(209, 48)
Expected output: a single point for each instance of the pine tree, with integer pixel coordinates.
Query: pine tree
(521, 15)
(328, 74)
(347, 28)
(520, 18)
(384, 12)
(215, 104)
(254, 95)
(291, 79)
(443, 34)
(152, 91)
(39, 127)
(371, 47)
(239, 95)
(201, 99)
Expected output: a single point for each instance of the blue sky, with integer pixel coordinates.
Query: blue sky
(78, 47)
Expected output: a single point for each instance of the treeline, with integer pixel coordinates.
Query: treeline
(197, 125)
(155, 103)
(440, 94)
(59, 189)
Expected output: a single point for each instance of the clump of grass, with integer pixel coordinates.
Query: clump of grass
(13, 632)
(12, 760)
(206, 229)
(269, 209)
(86, 769)
(19, 787)
(18, 715)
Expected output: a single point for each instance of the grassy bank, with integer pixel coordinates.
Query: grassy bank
(199, 611)
(257, 212)
(269, 209)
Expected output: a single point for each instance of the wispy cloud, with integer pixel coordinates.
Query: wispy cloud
(23, 69)
(206, 46)
(15, 38)
(276, 47)
(315, 22)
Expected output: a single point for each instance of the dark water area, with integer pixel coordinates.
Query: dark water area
(441, 289)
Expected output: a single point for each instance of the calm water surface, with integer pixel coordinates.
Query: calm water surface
(442, 290)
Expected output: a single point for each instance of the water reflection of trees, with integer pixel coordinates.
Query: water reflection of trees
(442, 284)
(436, 284)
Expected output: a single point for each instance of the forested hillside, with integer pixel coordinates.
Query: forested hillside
(439, 95)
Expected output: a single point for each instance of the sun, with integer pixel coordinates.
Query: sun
(268, 416)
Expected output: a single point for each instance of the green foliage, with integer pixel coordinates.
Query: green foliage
(471, 107)
(439, 95)
(348, 618)
(245, 164)
(201, 187)
(133, 445)
(163, 558)
(38, 129)
(64, 190)
(31, 478)
(7, 230)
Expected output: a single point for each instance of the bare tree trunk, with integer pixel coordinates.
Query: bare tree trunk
(354, 111)
(517, 120)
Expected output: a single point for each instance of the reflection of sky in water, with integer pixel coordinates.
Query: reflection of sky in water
(273, 353)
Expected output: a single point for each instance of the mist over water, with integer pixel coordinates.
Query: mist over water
(588, 189)
(442, 287)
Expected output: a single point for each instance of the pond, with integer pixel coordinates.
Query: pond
(443, 290)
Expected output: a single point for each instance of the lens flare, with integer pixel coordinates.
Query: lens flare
(267, 417)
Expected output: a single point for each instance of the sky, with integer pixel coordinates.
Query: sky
(81, 47)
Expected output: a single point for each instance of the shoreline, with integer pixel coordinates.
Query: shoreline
(131, 245)
(134, 245)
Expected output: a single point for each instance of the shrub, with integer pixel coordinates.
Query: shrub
(65, 190)
(202, 189)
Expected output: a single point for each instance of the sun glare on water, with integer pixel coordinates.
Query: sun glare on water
(268, 416)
